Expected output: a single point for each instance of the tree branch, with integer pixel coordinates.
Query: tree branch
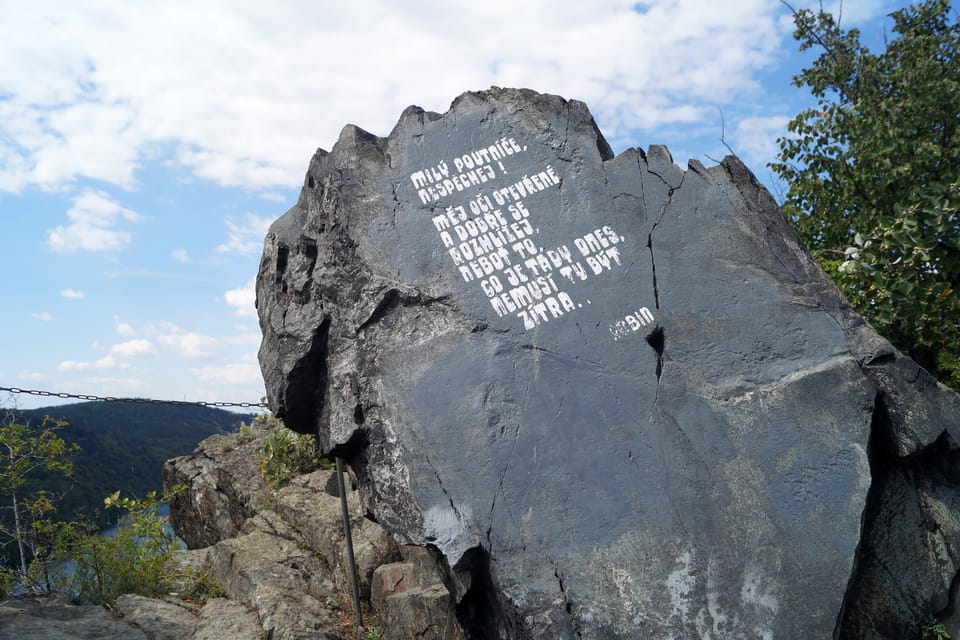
(723, 133)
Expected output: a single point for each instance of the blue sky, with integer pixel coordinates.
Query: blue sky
(145, 147)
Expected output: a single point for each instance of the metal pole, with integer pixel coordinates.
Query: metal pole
(352, 564)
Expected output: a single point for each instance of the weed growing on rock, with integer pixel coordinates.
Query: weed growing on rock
(934, 630)
(283, 454)
(197, 586)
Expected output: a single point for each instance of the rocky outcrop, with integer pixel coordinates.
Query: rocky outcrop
(159, 619)
(286, 560)
(412, 599)
(224, 486)
(52, 617)
(619, 398)
(221, 618)
(282, 573)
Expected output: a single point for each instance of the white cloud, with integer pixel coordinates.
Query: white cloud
(99, 110)
(106, 386)
(188, 344)
(106, 362)
(123, 328)
(72, 294)
(91, 227)
(244, 339)
(32, 376)
(235, 374)
(247, 235)
(180, 255)
(42, 316)
(755, 138)
(243, 299)
(133, 348)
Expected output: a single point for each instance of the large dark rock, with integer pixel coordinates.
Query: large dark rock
(619, 398)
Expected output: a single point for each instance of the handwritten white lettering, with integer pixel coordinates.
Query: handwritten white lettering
(488, 230)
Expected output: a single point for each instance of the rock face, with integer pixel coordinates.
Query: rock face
(157, 619)
(619, 398)
(280, 553)
(54, 618)
(412, 599)
(223, 484)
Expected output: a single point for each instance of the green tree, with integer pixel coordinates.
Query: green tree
(133, 560)
(24, 452)
(49, 543)
(873, 175)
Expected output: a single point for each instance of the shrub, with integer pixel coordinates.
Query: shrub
(283, 454)
(134, 560)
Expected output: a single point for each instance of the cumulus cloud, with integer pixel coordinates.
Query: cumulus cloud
(245, 235)
(234, 374)
(72, 294)
(188, 344)
(245, 338)
(243, 299)
(91, 226)
(755, 138)
(180, 255)
(42, 316)
(123, 328)
(189, 90)
(133, 348)
(106, 362)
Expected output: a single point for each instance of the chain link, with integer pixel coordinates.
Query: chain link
(83, 396)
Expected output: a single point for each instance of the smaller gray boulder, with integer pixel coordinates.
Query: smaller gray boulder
(223, 483)
(52, 617)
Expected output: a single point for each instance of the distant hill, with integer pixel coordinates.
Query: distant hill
(124, 445)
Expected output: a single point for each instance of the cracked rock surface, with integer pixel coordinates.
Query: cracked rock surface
(224, 485)
(619, 398)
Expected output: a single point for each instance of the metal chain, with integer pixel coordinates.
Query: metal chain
(179, 403)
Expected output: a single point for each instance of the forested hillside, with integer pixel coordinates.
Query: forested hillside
(123, 446)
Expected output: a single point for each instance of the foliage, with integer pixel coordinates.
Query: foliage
(283, 454)
(71, 555)
(6, 584)
(194, 585)
(933, 630)
(50, 539)
(134, 560)
(26, 451)
(124, 445)
(873, 175)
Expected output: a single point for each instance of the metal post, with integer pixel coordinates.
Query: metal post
(352, 564)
